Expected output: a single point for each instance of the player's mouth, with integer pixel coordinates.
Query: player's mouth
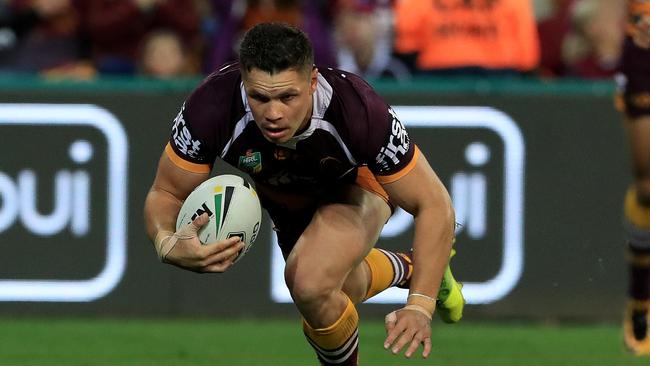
(275, 133)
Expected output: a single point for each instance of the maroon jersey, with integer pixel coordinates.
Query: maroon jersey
(635, 65)
(351, 127)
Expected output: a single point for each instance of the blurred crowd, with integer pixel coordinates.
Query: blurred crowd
(398, 39)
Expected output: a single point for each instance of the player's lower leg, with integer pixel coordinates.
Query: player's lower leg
(637, 313)
(338, 343)
(389, 269)
(386, 269)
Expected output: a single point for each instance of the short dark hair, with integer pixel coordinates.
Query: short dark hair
(275, 47)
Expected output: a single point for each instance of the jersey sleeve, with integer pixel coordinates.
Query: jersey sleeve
(198, 129)
(383, 141)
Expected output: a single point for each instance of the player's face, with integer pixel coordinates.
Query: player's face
(281, 103)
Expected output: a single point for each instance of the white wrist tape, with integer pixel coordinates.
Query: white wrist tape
(422, 303)
(418, 308)
(166, 240)
(164, 243)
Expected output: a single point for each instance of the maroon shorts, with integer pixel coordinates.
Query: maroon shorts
(292, 214)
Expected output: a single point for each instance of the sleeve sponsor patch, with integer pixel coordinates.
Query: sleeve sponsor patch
(396, 147)
(182, 138)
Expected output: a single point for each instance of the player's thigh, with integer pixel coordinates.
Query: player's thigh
(340, 234)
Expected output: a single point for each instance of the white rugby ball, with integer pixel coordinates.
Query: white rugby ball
(233, 207)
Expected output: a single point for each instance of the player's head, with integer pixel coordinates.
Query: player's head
(275, 47)
(276, 62)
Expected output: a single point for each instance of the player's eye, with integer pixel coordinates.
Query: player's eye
(287, 98)
(259, 98)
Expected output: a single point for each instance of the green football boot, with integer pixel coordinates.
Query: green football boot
(450, 301)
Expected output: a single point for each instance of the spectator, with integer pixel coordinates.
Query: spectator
(552, 29)
(41, 36)
(592, 49)
(479, 36)
(364, 40)
(235, 17)
(163, 56)
(116, 29)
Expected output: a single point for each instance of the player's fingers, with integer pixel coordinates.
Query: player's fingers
(201, 220)
(390, 320)
(404, 339)
(393, 338)
(391, 334)
(427, 347)
(223, 265)
(413, 346)
(190, 230)
(218, 267)
(233, 244)
(223, 250)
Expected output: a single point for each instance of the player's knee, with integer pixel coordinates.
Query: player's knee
(307, 286)
(309, 290)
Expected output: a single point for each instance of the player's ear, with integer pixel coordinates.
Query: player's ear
(313, 80)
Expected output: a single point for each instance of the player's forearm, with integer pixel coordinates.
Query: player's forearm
(434, 230)
(160, 211)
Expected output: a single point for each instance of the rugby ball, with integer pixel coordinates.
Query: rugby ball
(233, 207)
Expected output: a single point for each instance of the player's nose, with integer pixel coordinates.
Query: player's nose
(273, 113)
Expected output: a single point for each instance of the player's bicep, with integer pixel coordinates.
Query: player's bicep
(174, 180)
(419, 189)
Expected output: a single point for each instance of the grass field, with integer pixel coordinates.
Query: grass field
(92, 342)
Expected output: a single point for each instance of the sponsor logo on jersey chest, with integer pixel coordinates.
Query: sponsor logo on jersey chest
(251, 162)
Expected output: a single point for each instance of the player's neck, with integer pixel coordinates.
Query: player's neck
(306, 121)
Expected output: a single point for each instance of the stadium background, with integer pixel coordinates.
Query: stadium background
(537, 169)
(574, 173)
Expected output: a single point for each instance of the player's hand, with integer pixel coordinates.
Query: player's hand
(408, 328)
(189, 253)
(642, 37)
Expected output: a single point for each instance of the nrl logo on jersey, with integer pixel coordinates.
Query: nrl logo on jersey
(397, 145)
(182, 137)
(251, 162)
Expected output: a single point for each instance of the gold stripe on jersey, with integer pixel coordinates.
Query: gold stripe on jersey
(385, 179)
(184, 164)
(368, 181)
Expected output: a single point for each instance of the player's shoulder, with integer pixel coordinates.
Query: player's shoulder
(351, 89)
(226, 78)
(343, 81)
(353, 98)
(217, 93)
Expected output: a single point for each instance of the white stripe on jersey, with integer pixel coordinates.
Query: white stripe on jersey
(322, 97)
(239, 128)
(244, 97)
(241, 124)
